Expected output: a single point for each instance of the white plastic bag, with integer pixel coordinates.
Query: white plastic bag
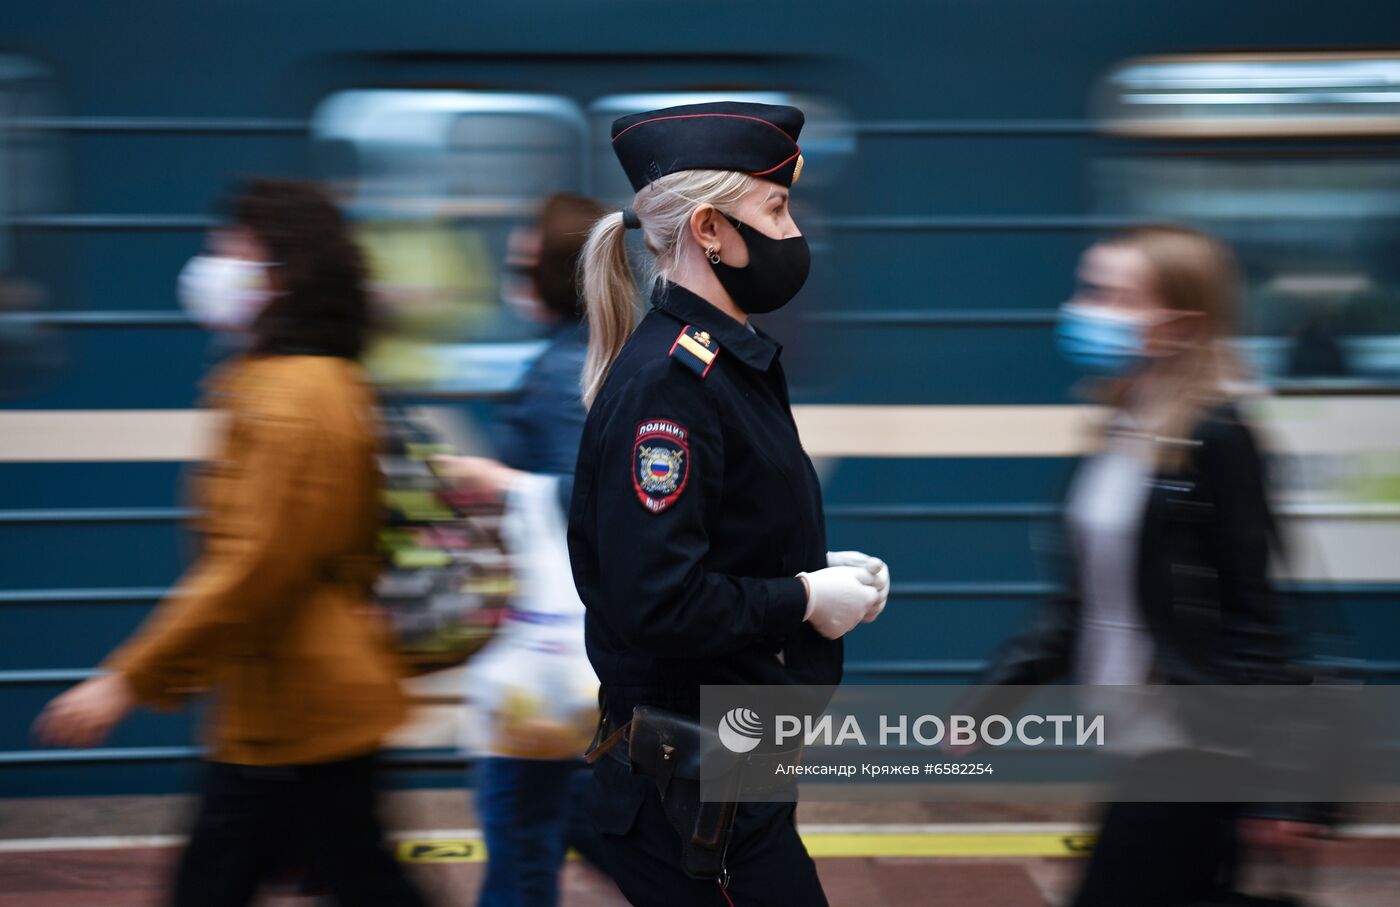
(531, 693)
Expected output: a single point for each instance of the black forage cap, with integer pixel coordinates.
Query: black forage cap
(757, 139)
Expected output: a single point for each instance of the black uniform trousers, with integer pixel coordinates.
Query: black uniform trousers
(255, 821)
(768, 864)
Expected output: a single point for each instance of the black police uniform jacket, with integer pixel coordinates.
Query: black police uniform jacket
(694, 508)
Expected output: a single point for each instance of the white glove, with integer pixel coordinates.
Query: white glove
(876, 566)
(838, 598)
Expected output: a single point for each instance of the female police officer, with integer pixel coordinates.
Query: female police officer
(696, 528)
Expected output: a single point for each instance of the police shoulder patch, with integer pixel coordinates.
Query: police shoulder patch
(660, 463)
(695, 349)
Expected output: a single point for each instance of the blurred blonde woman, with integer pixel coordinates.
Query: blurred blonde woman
(1169, 536)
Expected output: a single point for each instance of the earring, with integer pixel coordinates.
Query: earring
(713, 254)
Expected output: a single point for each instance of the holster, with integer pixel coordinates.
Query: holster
(672, 749)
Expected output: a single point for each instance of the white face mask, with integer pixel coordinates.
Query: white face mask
(224, 294)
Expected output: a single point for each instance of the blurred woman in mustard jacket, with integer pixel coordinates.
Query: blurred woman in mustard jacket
(272, 619)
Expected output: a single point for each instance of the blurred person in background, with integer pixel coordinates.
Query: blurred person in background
(529, 780)
(1169, 537)
(273, 617)
(696, 529)
(538, 429)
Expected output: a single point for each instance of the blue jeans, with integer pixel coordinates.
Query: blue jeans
(530, 814)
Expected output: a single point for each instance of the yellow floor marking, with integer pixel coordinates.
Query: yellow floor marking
(1023, 844)
(827, 846)
(435, 851)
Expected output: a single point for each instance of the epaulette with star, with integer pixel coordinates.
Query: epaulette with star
(696, 350)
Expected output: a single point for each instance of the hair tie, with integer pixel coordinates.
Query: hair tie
(630, 220)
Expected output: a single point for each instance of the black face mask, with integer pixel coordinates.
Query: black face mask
(777, 269)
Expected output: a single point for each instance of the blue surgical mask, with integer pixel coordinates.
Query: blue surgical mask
(1100, 340)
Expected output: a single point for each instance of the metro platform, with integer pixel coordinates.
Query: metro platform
(118, 851)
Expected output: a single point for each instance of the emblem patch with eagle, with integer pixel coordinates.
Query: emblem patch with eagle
(660, 463)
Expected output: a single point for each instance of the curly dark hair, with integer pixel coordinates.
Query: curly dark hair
(323, 307)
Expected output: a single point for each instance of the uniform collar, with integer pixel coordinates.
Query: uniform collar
(753, 348)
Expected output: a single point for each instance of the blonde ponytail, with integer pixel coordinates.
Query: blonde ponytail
(609, 293)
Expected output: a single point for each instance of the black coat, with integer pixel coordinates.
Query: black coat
(1202, 575)
(1207, 536)
(694, 508)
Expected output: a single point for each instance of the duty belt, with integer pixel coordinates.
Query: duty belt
(761, 771)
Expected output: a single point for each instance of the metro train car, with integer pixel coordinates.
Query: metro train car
(958, 157)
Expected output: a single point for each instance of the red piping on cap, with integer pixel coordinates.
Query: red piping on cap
(692, 116)
(794, 157)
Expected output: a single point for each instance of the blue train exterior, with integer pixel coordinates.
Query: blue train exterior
(960, 185)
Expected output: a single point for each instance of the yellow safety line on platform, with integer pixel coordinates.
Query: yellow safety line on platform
(829, 846)
(1026, 844)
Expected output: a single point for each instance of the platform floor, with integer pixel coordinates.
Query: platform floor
(135, 878)
(117, 852)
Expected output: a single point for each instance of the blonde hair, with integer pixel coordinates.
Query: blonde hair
(1191, 272)
(609, 292)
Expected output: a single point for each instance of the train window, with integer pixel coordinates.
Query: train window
(1253, 95)
(435, 180)
(1292, 159)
